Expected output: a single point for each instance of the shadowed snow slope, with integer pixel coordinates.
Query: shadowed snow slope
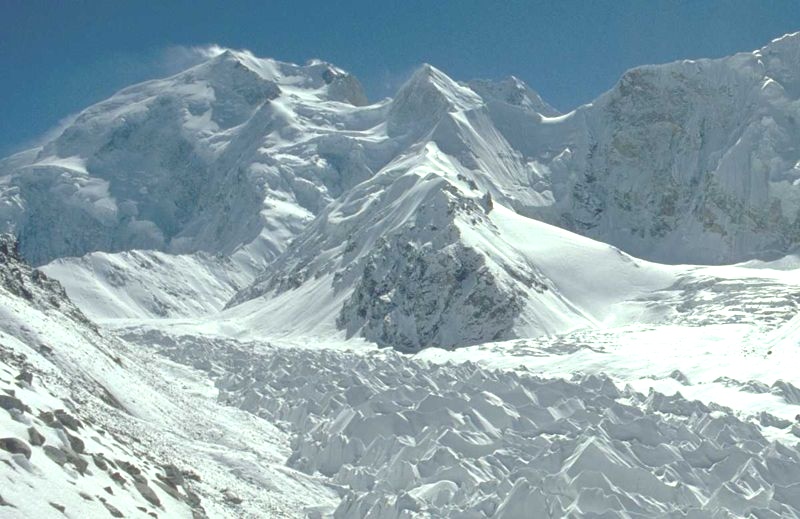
(143, 284)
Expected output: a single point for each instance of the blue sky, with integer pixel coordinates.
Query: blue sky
(57, 57)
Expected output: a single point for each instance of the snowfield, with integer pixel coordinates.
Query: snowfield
(258, 294)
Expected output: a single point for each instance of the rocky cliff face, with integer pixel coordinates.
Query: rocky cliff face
(423, 286)
(692, 161)
(406, 275)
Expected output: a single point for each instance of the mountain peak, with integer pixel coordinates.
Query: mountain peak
(425, 97)
(513, 91)
(792, 38)
(428, 75)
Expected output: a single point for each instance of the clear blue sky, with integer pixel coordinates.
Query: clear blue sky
(57, 57)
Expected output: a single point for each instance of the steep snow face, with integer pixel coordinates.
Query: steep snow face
(150, 284)
(512, 91)
(692, 161)
(393, 260)
(229, 153)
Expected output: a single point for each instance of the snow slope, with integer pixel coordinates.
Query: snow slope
(416, 257)
(204, 160)
(149, 284)
(92, 427)
(691, 161)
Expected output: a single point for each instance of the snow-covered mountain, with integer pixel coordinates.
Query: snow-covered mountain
(239, 242)
(202, 161)
(393, 217)
(692, 161)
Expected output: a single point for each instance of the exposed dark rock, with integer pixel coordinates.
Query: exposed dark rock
(100, 461)
(25, 376)
(78, 461)
(118, 478)
(787, 390)
(411, 294)
(36, 438)
(67, 419)
(173, 475)
(112, 510)
(188, 474)
(60, 508)
(76, 444)
(130, 468)
(49, 419)
(147, 493)
(8, 403)
(55, 454)
(15, 446)
(20, 279)
(192, 499)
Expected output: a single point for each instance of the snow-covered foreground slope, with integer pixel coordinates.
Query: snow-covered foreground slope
(90, 427)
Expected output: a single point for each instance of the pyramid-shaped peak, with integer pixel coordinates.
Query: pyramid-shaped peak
(230, 57)
(426, 70)
(425, 98)
(229, 60)
(429, 82)
(427, 74)
(513, 91)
